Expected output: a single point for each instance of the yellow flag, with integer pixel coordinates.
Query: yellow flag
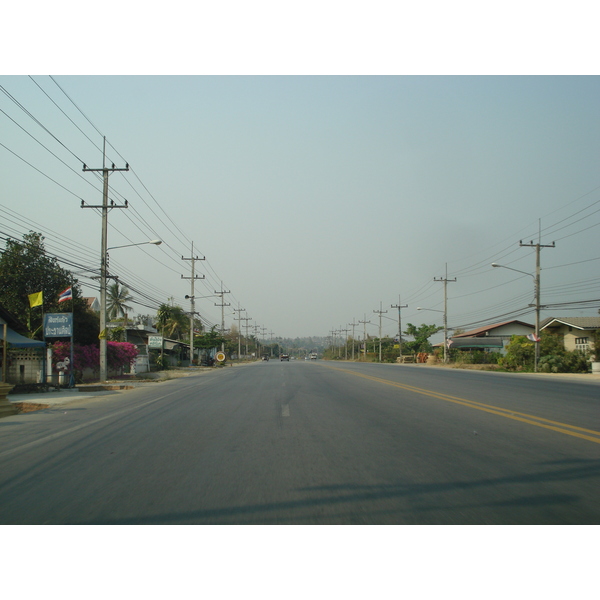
(35, 299)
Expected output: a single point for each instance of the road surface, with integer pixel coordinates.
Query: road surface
(312, 442)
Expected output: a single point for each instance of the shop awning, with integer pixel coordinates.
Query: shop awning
(18, 341)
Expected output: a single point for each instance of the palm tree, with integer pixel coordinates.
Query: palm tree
(178, 323)
(163, 315)
(118, 297)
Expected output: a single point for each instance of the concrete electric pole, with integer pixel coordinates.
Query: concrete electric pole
(192, 299)
(364, 322)
(222, 305)
(538, 307)
(240, 319)
(353, 325)
(399, 307)
(380, 312)
(445, 280)
(105, 207)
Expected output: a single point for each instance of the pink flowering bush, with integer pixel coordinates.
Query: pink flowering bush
(118, 355)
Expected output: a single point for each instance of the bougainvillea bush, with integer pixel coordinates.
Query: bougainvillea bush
(118, 355)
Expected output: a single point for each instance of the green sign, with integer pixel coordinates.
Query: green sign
(155, 341)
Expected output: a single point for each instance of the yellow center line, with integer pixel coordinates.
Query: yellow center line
(565, 428)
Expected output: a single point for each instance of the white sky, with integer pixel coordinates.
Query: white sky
(316, 198)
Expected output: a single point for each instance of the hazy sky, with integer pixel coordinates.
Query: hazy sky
(315, 198)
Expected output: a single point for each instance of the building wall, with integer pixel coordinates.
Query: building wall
(505, 331)
(24, 366)
(142, 364)
(572, 336)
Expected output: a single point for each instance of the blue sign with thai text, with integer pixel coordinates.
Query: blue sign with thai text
(58, 325)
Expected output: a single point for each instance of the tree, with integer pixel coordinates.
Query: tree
(178, 323)
(209, 339)
(116, 301)
(26, 269)
(421, 334)
(163, 314)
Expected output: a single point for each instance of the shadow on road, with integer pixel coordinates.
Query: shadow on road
(372, 502)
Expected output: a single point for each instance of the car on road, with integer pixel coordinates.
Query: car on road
(285, 357)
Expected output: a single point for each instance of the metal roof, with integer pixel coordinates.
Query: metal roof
(475, 342)
(481, 331)
(577, 322)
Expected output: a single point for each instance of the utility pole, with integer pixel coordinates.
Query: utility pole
(364, 322)
(333, 346)
(222, 305)
(104, 257)
(538, 270)
(264, 331)
(239, 310)
(192, 299)
(345, 342)
(381, 312)
(445, 280)
(256, 330)
(353, 325)
(246, 319)
(399, 307)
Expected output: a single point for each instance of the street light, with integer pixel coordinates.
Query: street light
(445, 329)
(103, 278)
(155, 242)
(536, 287)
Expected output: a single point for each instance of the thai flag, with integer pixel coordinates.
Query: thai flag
(66, 295)
(533, 337)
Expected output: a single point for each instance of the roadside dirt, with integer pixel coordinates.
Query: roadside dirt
(26, 407)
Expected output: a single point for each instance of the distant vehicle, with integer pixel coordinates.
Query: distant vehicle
(313, 356)
(285, 357)
(265, 357)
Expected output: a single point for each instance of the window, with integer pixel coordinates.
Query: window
(582, 343)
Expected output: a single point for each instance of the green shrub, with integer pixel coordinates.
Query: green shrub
(475, 357)
(520, 354)
(566, 362)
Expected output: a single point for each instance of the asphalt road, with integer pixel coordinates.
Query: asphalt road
(307, 442)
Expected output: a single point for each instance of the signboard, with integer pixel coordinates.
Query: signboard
(58, 325)
(220, 356)
(155, 341)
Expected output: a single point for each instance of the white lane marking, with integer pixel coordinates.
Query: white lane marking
(285, 410)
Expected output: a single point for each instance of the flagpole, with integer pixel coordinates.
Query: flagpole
(46, 348)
